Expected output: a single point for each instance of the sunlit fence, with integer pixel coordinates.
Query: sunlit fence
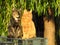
(16, 41)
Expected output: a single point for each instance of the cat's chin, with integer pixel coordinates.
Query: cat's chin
(16, 21)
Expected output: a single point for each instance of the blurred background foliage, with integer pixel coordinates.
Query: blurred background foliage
(37, 5)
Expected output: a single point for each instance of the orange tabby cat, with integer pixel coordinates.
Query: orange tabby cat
(28, 26)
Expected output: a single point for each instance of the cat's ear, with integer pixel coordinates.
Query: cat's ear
(14, 9)
(30, 11)
(20, 10)
(25, 10)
